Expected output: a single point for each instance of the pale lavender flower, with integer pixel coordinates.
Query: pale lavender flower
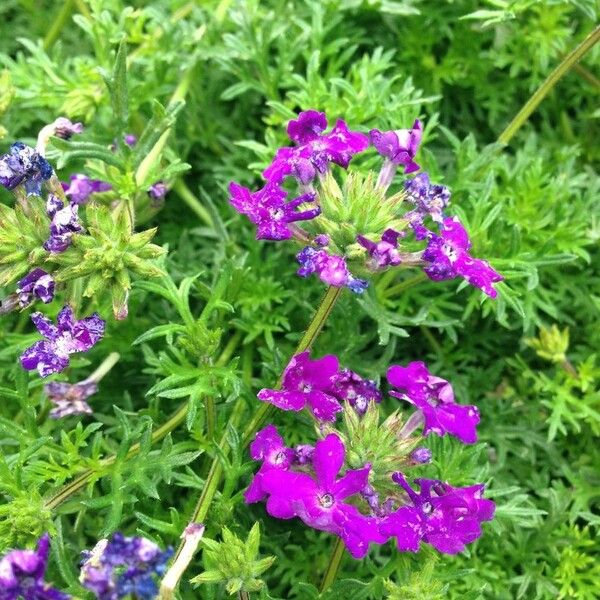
(70, 398)
(65, 129)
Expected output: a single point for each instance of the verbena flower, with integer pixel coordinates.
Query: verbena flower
(320, 501)
(123, 565)
(63, 339)
(331, 269)
(70, 398)
(449, 256)
(81, 187)
(399, 146)
(429, 199)
(434, 398)
(65, 129)
(358, 392)
(22, 165)
(130, 139)
(22, 574)
(307, 382)
(384, 253)
(64, 223)
(36, 283)
(421, 456)
(157, 191)
(445, 517)
(268, 210)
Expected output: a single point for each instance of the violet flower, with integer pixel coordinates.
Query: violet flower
(428, 198)
(157, 191)
(330, 268)
(36, 283)
(65, 129)
(130, 139)
(81, 187)
(269, 211)
(434, 399)
(449, 256)
(22, 574)
(384, 253)
(124, 566)
(70, 398)
(350, 387)
(399, 146)
(306, 383)
(23, 165)
(268, 447)
(314, 151)
(445, 517)
(66, 337)
(320, 502)
(64, 223)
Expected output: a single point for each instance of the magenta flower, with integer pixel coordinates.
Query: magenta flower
(314, 151)
(428, 198)
(268, 447)
(81, 187)
(384, 253)
(399, 146)
(320, 502)
(434, 398)
(64, 223)
(70, 398)
(66, 337)
(35, 283)
(268, 210)
(449, 256)
(22, 574)
(447, 518)
(306, 383)
(350, 387)
(330, 268)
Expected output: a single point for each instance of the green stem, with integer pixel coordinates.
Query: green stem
(571, 59)
(335, 560)
(59, 23)
(184, 192)
(404, 285)
(211, 417)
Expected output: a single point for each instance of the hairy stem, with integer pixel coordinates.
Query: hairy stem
(569, 61)
(335, 560)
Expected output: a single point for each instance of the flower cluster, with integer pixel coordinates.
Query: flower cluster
(353, 231)
(372, 501)
(22, 165)
(124, 566)
(22, 574)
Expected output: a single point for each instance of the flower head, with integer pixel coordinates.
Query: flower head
(81, 187)
(434, 398)
(36, 283)
(307, 382)
(448, 518)
(70, 398)
(66, 337)
(399, 146)
(123, 565)
(358, 392)
(64, 223)
(449, 256)
(269, 211)
(22, 574)
(23, 165)
(384, 253)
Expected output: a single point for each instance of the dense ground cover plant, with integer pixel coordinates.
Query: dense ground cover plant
(136, 416)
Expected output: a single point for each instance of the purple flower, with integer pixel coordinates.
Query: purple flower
(268, 210)
(314, 151)
(157, 191)
(331, 269)
(320, 502)
(306, 383)
(440, 515)
(22, 574)
(399, 146)
(268, 447)
(35, 283)
(23, 165)
(303, 454)
(130, 139)
(66, 337)
(70, 398)
(450, 258)
(350, 387)
(64, 223)
(384, 253)
(428, 198)
(81, 187)
(122, 566)
(421, 456)
(434, 398)
(65, 129)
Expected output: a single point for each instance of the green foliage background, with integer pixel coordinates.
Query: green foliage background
(465, 67)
